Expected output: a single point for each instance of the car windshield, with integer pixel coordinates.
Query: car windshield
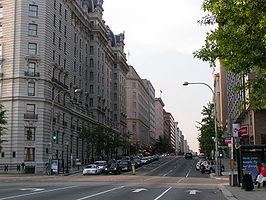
(123, 162)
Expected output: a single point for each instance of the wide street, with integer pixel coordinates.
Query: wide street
(169, 178)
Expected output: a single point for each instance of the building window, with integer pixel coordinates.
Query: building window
(55, 4)
(91, 88)
(65, 14)
(54, 38)
(91, 50)
(30, 109)
(115, 117)
(32, 68)
(29, 154)
(64, 47)
(115, 76)
(32, 48)
(60, 9)
(263, 138)
(59, 43)
(33, 10)
(30, 134)
(91, 76)
(54, 21)
(1, 30)
(1, 11)
(31, 89)
(14, 154)
(2, 154)
(91, 63)
(53, 55)
(65, 31)
(115, 106)
(32, 29)
(60, 26)
(91, 102)
(115, 86)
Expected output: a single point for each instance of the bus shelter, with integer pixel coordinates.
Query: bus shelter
(248, 156)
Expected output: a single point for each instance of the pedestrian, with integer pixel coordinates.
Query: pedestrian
(263, 170)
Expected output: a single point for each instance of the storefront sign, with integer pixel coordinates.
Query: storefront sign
(243, 131)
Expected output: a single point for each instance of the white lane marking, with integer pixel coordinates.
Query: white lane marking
(22, 195)
(163, 193)
(193, 191)
(139, 190)
(93, 195)
(188, 172)
(168, 173)
(32, 189)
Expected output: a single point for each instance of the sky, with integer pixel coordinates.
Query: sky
(160, 37)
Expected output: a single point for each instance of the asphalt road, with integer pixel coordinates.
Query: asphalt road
(170, 178)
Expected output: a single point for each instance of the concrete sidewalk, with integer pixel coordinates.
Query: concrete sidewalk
(236, 193)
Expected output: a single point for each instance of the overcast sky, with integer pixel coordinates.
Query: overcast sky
(161, 36)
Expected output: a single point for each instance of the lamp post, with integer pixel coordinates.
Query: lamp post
(52, 128)
(217, 170)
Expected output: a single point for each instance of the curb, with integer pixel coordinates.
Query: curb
(227, 195)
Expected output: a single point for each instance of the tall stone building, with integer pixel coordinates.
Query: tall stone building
(169, 127)
(62, 68)
(159, 119)
(138, 108)
(151, 95)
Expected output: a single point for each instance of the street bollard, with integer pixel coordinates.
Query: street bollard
(133, 169)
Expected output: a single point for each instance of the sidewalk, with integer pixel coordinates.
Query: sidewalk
(236, 193)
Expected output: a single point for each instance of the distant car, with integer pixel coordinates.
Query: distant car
(201, 155)
(145, 160)
(91, 169)
(188, 156)
(101, 164)
(198, 165)
(207, 166)
(125, 165)
(113, 168)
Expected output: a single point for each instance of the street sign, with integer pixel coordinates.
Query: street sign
(222, 147)
(46, 143)
(227, 140)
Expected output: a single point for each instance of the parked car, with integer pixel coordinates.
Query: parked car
(188, 156)
(125, 165)
(145, 160)
(91, 169)
(198, 165)
(136, 162)
(113, 168)
(101, 164)
(207, 166)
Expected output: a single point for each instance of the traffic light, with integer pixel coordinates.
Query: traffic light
(213, 138)
(54, 138)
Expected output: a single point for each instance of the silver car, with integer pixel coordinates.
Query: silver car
(91, 169)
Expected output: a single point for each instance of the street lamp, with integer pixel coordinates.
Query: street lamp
(217, 170)
(52, 128)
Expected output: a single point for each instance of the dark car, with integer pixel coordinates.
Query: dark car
(113, 168)
(125, 165)
(188, 156)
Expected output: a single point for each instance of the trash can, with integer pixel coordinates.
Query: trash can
(234, 181)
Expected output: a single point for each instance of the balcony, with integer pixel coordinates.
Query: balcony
(32, 74)
(30, 116)
(59, 83)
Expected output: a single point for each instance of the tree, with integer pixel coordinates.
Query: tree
(163, 145)
(207, 131)
(238, 41)
(2, 127)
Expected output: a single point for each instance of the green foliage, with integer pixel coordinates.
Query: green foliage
(239, 41)
(207, 131)
(2, 127)
(104, 141)
(163, 145)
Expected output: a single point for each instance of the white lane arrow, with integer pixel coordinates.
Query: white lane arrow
(32, 189)
(193, 191)
(139, 190)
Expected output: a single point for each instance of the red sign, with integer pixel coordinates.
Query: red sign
(243, 131)
(227, 140)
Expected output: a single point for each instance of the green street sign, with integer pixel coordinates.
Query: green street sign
(46, 143)
(222, 147)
